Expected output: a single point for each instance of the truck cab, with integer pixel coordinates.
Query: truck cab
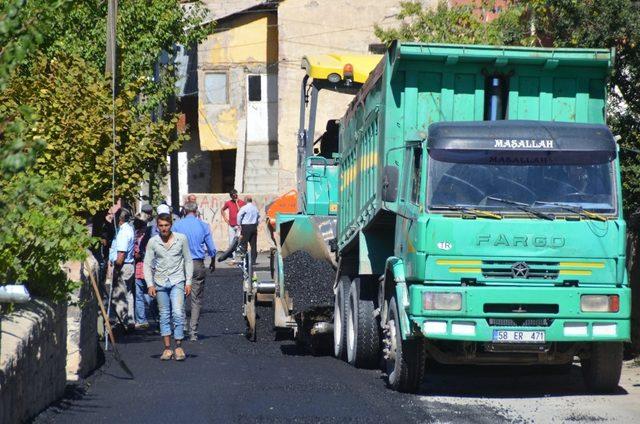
(512, 232)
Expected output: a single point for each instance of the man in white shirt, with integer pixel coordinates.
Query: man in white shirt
(124, 268)
(248, 217)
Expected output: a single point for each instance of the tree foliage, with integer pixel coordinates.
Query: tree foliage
(145, 29)
(558, 23)
(455, 25)
(74, 108)
(38, 232)
(56, 145)
(21, 33)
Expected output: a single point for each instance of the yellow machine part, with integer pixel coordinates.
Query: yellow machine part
(321, 66)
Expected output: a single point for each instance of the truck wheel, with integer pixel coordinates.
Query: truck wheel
(340, 307)
(404, 360)
(601, 370)
(363, 338)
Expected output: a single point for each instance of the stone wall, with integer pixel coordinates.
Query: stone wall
(82, 322)
(32, 359)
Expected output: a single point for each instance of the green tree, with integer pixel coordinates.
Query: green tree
(559, 23)
(37, 232)
(455, 25)
(19, 35)
(56, 146)
(74, 107)
(145, 29)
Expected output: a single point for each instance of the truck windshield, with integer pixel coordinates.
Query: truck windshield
(552, 184)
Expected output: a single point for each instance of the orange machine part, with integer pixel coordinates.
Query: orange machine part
(286, 203)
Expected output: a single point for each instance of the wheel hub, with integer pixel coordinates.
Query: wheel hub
(389, 342)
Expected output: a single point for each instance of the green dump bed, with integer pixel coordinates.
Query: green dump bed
(416, 85)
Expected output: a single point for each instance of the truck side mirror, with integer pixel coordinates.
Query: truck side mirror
(390, 177)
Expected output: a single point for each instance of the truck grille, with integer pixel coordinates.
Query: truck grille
(529, 308)
(521, 270)
(519, 322)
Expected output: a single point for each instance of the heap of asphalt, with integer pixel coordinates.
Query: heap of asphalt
(309, 281)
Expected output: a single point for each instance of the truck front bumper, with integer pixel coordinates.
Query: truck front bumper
(558, 313)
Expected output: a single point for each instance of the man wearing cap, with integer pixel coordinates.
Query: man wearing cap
(163, 208)
(199, 236)
(148, 210)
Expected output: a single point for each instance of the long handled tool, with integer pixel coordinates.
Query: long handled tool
(106, 339)
(116, 354)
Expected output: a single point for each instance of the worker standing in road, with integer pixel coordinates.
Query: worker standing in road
(232, 205)
(199, 236)
(142, 298)
(169, 281)
(124, 268)
(248, 218)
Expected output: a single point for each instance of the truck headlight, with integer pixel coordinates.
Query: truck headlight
(599, 303)
(441, 301)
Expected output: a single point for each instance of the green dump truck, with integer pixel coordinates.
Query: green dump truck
(480, 214)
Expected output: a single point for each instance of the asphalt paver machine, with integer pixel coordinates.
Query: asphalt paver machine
(303, 221)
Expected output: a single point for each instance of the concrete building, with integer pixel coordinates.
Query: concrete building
(311, 27)
(243, 105)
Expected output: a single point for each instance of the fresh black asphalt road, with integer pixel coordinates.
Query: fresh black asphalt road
(226, 378)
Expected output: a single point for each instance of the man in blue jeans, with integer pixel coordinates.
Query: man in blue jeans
(169, 281)
(199, 235)
(142, 299)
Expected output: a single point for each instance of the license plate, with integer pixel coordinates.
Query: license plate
(514, 336)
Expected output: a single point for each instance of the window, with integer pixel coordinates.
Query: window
(215, 87)
(416, 175)
(255, 89)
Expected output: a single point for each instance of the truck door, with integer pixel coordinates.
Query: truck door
(411, 199)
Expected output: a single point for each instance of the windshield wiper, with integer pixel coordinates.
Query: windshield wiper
(474, 212)
(524, 207)
(576, 209)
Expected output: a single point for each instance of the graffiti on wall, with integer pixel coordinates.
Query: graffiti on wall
(210, 206)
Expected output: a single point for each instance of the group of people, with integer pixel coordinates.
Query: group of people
(242, 217)
(159, 260)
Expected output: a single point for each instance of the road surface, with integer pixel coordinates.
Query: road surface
(229, 379)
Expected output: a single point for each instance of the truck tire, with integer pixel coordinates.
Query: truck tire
(340, 306)
(363, 337)
(601, 370)
(404, 360)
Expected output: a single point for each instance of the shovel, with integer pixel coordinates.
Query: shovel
(116, 354)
